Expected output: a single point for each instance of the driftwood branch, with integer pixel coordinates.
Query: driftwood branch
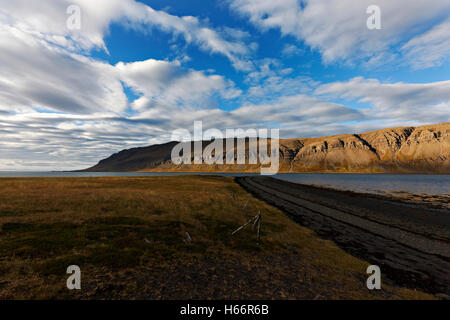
(256, 220)
(242, 227)
(257, 217)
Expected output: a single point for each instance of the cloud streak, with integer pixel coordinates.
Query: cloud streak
(420, 102)
(429, 49)
(337, 28)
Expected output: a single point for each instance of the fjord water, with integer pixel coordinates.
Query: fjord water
(376, 183)
(372, 183)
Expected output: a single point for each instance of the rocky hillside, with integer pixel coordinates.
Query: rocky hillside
(406, 149)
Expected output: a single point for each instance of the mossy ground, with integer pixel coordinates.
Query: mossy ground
(128, 235)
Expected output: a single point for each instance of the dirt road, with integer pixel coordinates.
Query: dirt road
(410, 243)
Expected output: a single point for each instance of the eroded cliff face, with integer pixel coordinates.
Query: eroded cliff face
(423, 149)
(407, 149)
(386, 143)
(334, 153)
(427, 148)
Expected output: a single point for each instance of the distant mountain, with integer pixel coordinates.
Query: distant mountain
(424, 149)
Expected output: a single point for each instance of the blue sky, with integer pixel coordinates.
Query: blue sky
(137, 70)
(129, 45)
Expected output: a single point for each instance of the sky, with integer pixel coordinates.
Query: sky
(82, 79)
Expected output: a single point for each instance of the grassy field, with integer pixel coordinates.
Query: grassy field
(128, 235)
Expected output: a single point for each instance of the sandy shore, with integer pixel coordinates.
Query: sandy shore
(410, 242)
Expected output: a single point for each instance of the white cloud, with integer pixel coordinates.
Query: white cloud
(271, 80)
(429, 49)
(291, 111)
(39, 70)
(423, 102)
(36, 74)
(337, 28)
(49, 18)
(267, 14)
(166, 82)
(45, 141)
(290, 50)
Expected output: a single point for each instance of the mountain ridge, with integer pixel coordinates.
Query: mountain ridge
(423, 149)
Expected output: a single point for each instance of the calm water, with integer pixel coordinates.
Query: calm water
(375, 183)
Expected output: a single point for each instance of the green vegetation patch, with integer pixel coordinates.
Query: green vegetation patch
(108, 241)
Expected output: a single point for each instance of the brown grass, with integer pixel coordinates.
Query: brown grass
(127, 236)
